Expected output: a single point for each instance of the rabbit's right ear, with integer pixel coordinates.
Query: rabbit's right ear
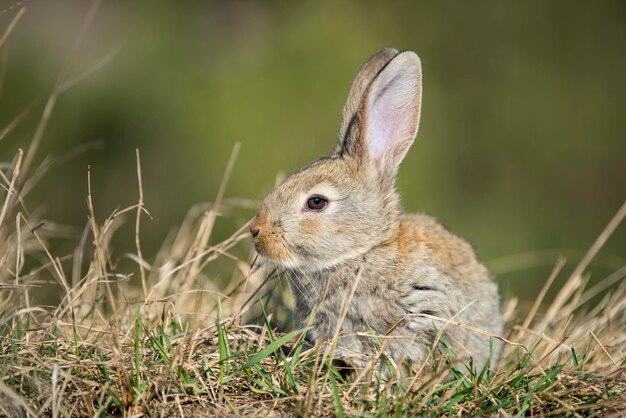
(361, 82)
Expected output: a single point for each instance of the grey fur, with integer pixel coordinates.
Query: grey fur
(396, 266)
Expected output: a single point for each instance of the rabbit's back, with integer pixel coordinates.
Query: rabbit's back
(463, 289)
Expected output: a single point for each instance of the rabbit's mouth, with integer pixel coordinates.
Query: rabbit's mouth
(272, 250)
(269, 241)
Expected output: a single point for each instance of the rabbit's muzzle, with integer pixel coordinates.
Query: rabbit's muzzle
(268, 241)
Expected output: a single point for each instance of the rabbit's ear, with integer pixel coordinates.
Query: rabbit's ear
(385, 123)
(391, 111)
(361, 82)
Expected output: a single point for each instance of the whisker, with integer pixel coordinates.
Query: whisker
(256, 291)
(308, 285)
(254, 267)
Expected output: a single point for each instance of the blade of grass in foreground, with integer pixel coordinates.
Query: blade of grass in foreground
(271, 348)
(336, 397)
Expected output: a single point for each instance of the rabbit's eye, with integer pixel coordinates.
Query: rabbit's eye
(316, 203)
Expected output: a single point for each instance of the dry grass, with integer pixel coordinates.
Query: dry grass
(158, 336)
(178, 345)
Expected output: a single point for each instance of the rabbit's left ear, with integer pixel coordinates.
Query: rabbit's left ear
(391, 110)
(385, 124)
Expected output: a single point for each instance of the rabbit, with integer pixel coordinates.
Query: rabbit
(361, 270)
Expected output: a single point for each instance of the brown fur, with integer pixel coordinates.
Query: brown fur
(399, 265)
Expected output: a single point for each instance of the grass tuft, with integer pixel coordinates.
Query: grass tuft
(181, 346)
(189, 331)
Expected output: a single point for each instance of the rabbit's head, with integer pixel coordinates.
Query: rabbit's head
(341, 206)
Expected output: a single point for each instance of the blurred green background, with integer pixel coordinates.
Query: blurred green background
(521, 149)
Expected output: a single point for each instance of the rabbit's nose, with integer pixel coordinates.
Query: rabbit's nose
(254, 230)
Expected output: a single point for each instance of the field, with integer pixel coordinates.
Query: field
(199, 328)
(178, 345)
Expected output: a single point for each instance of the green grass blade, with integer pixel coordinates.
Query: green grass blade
(336, 397)
(271, 348)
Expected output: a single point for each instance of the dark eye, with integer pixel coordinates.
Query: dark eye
(316, 203)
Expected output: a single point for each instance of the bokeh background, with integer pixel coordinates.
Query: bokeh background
(522, 143)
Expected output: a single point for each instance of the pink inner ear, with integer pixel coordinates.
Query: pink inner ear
(385, 125)
(393, 115)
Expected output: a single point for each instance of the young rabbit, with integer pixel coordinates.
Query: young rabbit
(361, 269)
